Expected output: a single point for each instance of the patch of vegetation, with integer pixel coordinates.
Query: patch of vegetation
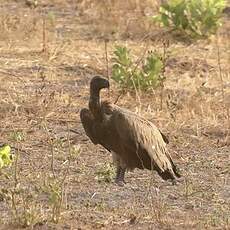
(129, 75)
(198, 19)
(17, 136)
(106, 173)
(22, 204)
(54, 188)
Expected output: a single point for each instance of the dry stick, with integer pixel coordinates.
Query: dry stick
(220, 70)
(228, 117)
(63, 181)
(51, 149)
(52, 153)
(228, 103)
(16, 167)
(163, 74)
(69, 152)
(16, 162)
(44, 48)
(13, 193)
(136, 66)
(141, 57)
(222, 85)
(118, 97)
(137, 94)
(107, 63)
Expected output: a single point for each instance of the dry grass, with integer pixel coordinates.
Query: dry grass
(54, 183)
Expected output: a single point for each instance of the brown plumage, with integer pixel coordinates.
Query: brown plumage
(133, 141)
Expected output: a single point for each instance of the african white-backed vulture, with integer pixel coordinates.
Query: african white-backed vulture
(133, 141)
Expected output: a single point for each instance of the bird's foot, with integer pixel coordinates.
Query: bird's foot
(120, 176)
(120, 183)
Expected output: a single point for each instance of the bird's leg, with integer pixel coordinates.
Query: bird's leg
(118, 173)
(120, 176)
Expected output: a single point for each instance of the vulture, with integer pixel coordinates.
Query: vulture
(133, 141)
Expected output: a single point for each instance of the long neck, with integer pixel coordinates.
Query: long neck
(94, 103)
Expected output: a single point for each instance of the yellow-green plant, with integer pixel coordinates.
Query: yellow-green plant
(106, 173)
(130, 75)
(197, 19)
(5, 156)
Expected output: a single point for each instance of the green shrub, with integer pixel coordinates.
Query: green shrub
(130, 76)
(195, 18)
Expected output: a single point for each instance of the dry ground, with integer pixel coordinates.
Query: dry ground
(42, 93)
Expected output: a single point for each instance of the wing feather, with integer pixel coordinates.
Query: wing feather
(132, 128)
(88, 123)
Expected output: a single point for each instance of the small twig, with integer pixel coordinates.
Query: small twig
(141, 57)
(16, 167)
(19, 149)
(44, 48)
(222, 85)
(74, 131)
(69, 152)
(220, 69)
(165, 46)
(118, 97)
(16, 162)
(51, 149)
(14, 206)
(136, 91)
(15, 176)
(107, 63)
(60, 120)
(63, 181)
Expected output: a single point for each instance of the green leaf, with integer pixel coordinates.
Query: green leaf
(1, 163)
(157, 18)
(165, 20)
(5, 156)
(122, 55)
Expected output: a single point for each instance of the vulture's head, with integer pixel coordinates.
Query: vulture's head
(97, 83)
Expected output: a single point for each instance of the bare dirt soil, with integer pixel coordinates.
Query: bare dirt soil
(59, 179)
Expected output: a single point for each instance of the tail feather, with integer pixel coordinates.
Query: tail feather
(166, 175)
(169, 174)
(175, 170)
